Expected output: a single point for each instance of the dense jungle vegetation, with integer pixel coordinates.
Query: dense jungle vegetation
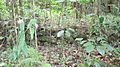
(59, 33)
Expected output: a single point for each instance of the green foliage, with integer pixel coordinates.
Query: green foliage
(4, 13)
(31, 27)
(21, 47)
(101, 20)
(102, 31)
(117, 52)
(98, 43)
(2, 64)
(60, 33)
(65, 33)
(34, 54)
(81, 65)
(97, 64)
(89, 46)
(1, 37)
(101, 50)
(78, 39)
(8, 65)
(115, 9)
(84, 1)
(45, 65)
(33, 58)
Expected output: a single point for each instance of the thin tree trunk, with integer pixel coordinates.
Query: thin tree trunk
(21, 9)
(13, 18)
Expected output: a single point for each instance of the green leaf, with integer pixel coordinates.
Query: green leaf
(82, 42)
(2, 64)
(101, 50)
(26, 60)
(89, 46)
(8, 65)
(101, 19)
(46, 65)
(100, 38)
(60, 33)
(87, 64)
(67, 34)
(117, 52)
(92, 40)
(97, 64)
(78, 39)
(84, 1)
(81, 65)
(110, 48)
(1, 37)
(32, 23)
(70, 29)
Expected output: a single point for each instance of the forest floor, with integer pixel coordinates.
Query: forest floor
(72, 55)
(68, 53)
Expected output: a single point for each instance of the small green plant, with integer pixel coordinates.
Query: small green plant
(33, 58)
(99, 43)
(67, 33)
(21, 44)
(32, 26)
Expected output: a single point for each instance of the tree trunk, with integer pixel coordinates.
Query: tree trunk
(20, 5)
